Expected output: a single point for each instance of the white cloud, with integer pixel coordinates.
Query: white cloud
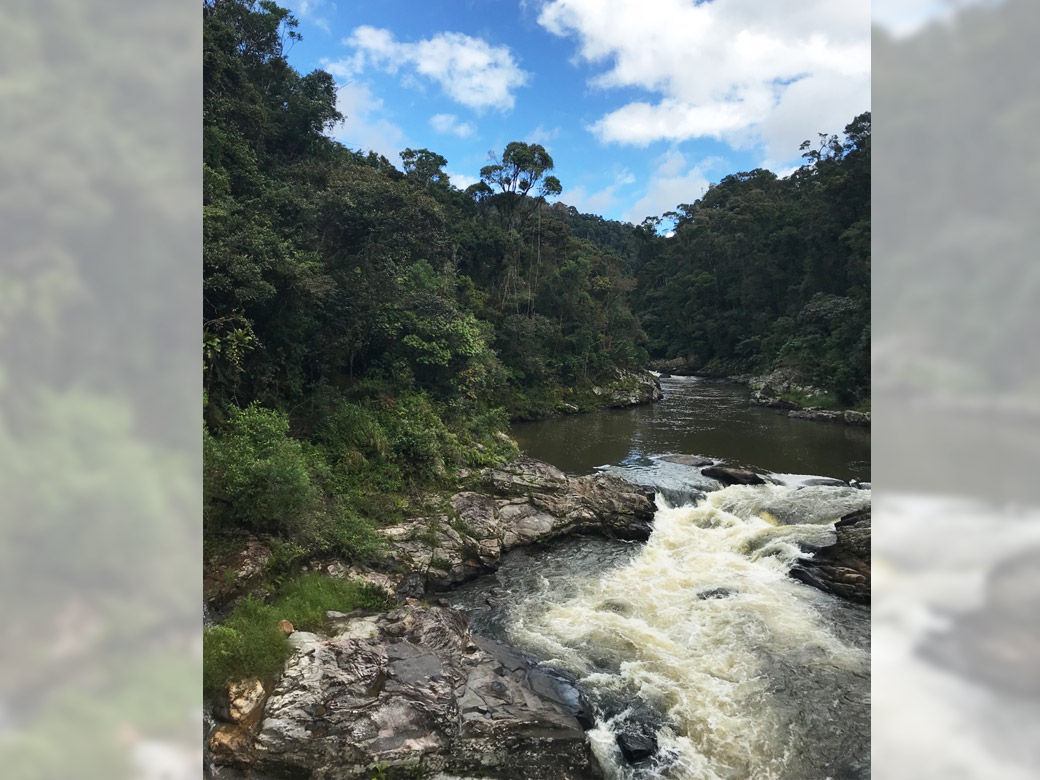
(449, 124)
(903, 18)
(311, 11)
(362, 126)
(742, 71)
(600, 201)
(672, 183)
(469, 70)
(541, 135)
(461, 180)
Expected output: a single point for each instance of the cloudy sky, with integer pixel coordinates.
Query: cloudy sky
(641, 103)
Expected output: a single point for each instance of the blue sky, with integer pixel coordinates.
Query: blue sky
(640, 104)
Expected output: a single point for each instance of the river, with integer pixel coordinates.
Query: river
(703, 417)
(697, 642)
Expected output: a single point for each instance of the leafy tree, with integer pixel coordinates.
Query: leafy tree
(520, 171)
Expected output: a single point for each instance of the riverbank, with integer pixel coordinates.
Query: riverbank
(783, 390)
(627, 388)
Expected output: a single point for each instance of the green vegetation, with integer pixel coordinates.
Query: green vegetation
(369, 332)
(249, 642)
(765, 273)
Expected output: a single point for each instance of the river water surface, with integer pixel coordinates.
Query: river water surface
(703, 417)
(698, 640)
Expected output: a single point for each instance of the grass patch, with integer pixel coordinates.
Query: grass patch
(250, 644)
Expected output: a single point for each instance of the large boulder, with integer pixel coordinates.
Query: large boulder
(842, 568)
(629, 388)
(418, 696)
(768, 389)
(526, 502)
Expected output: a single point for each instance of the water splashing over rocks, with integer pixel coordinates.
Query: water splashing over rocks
(701, 657)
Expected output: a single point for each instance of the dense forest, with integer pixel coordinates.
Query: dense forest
(370, 330)
(762, 273)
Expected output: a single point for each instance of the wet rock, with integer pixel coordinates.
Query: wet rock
(688, 460)
(817, 504)
(629, 389)
(528, 502)
(231, 744)
(856, 418)
(766, 390)
(715, 593)
(824, 482)
(636, 746)
(819, 415)
(681, 496)
(422, 690)
(729, 475)
(842, 568)
(412, 586)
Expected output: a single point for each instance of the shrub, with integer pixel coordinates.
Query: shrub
(256, 477)
(259, 478)
(249, 642)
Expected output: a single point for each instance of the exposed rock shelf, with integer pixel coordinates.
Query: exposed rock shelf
(522, 502)
(412, 692)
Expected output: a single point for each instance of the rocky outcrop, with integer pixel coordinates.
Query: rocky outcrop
(775, 390)
(629, 389)
(769, 389)
(729, 475)
(842, 568)
(413, 693)
(522, 502)
(235, 571)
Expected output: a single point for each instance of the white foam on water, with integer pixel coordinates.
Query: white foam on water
(705, 626)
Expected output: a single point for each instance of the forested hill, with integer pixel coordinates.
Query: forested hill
(764, 273)
(368, 330)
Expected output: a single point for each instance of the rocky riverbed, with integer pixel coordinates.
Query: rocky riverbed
(416, 693)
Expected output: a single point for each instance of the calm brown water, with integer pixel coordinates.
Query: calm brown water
(699, 417)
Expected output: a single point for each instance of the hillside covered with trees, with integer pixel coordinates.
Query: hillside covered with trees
(370, 330)
(764, 273)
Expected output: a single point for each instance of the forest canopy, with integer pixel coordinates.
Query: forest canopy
(370, 330)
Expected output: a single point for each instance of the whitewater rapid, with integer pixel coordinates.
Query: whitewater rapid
(700, 638)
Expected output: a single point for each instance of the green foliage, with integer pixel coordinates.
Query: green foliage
(249, 642)
(305, 600)
(259, 478)
(763, 273)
